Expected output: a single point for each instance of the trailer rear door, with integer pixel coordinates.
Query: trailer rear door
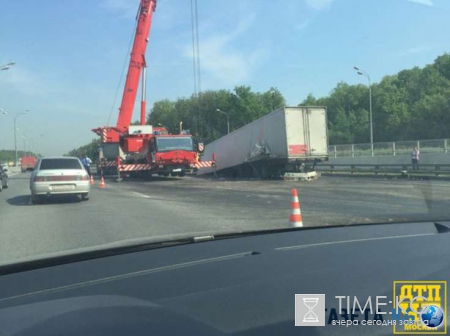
(317, 131)
(306, 129)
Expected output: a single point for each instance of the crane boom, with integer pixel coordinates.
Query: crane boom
(137, 62)
(143, 148)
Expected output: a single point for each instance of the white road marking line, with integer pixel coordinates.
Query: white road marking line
(141, 195)
(226, 188)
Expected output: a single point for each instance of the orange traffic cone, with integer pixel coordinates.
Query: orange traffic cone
(92, 180)
(102, 183)
(295, 219)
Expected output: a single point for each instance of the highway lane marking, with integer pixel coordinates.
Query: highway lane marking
(227, 188)
(141, 195)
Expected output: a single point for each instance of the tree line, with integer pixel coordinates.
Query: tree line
(410, 105)
(91, 150)
(200, 114)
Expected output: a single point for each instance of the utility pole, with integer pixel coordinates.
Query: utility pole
(15, 130)
(228, 119)
(365, 74)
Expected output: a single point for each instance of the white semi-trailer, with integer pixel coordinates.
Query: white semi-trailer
(285, 142)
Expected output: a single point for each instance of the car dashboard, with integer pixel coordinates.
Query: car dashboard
(233, 285)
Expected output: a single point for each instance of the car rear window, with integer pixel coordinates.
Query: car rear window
(47, 164)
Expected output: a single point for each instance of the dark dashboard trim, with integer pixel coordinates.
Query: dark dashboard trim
(133, 274)
(102, 252)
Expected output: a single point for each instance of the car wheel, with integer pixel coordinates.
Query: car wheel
(84, 197)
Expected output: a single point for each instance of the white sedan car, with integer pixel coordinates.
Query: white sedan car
(59, 176)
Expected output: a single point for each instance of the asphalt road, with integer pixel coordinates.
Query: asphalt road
(137, 209)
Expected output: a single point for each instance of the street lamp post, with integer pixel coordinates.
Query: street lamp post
(365, 74)
(31, 139)
(6, 66)
(24, 145)
(228, 119)
(39, 149)
(15, 131)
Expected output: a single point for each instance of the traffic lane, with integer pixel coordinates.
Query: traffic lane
(327, 201)
(66, 223)
(247, 208)
(136, 209)
(25, 229)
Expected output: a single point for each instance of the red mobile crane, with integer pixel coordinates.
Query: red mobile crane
(144, 148)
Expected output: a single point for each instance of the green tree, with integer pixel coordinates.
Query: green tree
(91, 150)
(200, 115)
(431, 117)
(442, 64)
(163, 113)
(271, 100)
(413, 104)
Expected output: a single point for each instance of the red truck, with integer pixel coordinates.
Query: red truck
(27, 163)
(144, 149)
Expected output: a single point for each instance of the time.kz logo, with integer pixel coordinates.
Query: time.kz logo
(420, 306)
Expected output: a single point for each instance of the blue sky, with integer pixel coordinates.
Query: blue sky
(70, 53)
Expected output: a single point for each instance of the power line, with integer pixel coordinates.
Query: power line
(194, 64)
(196, 59)
(198, 49)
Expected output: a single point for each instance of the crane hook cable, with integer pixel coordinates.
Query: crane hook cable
(194, 64)
(198, 49)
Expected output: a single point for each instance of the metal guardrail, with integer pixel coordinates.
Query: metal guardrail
(389, 148)
(421, 169)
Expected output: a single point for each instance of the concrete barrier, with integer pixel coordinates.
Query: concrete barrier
(425, 158)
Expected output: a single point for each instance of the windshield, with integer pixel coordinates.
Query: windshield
(47, 164)
(242, 110)
(178, 143)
